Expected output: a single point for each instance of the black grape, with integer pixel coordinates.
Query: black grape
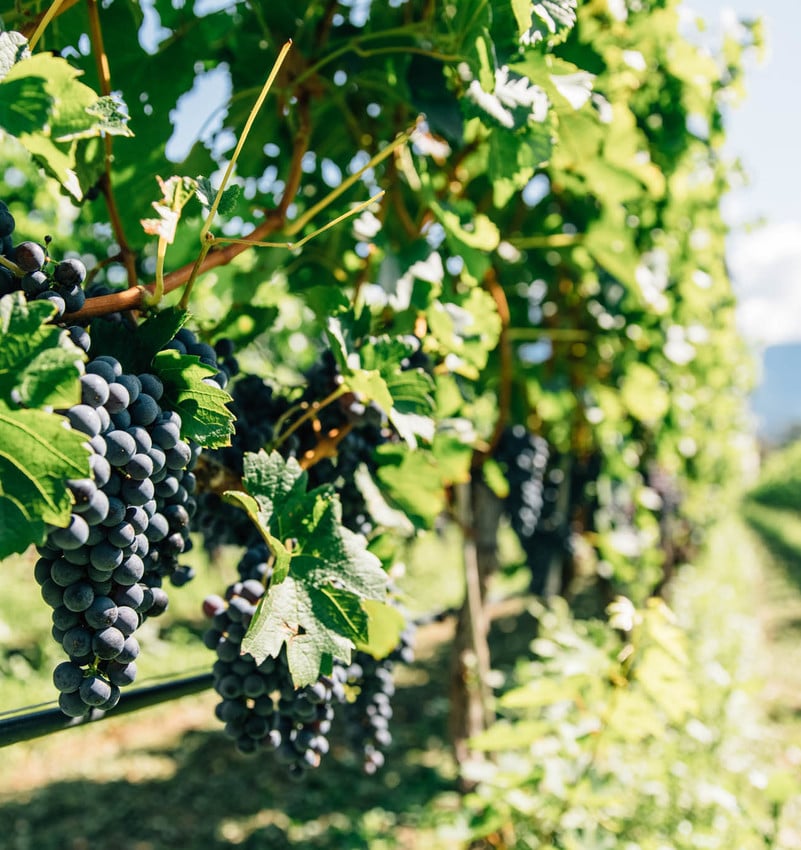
(103, 573)
(30, 256)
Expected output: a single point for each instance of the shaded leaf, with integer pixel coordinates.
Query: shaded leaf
(201, 403)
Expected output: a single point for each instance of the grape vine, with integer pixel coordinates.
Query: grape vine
(496, 293)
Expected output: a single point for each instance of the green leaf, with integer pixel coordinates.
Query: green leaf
(643, 394)
(261, 520)
(551, 21)
(202, 404)
(467, 327)
(505, 736)
(314, 602)
(36, 363)
(13, 48)
(513, 158)
(136, 347)
(375, 372)
(206, 194)
(24, 105)
(50, 110)
(385, 624)
(38, 452)
(111, 114)
(413, 482)
(369, 386)
(523, 16)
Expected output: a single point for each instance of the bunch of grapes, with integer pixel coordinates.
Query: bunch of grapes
(59, 283)
(103, 573)
(531, 501)
(260, 707)
(525, 457)
(352, 429)
(367, 715)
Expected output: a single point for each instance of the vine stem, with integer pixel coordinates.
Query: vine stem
(310, 213)
(206, 240)
(214, 253)
(265, 90)
(301, 242)
(104, 75)
(495, 289)
(312, 411)
(327, 446)
(354, 45)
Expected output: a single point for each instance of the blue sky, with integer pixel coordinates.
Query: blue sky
(764, 132)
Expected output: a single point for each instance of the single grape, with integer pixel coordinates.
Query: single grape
(70, 272)
(30, 256)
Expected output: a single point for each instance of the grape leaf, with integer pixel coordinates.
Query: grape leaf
(38, 452)
(468, 328)
(43, 102)
(384, 626)
(413, 482)
(202, 405)
(374, 370)
(136, 347)
(206, 193)
(36, 363)
(314, 602)
(13, 48)
(548, 20)
(176, 192)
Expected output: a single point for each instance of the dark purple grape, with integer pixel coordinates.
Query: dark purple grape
(30, 256)
(70, 272)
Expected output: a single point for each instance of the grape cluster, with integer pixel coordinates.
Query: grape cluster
(525, 458)
(103, 573)
(260, 707)
(62, 285)
(367, 715)
(353, 430)
(569, 501)
(532, 503)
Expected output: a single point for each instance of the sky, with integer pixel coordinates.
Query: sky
(764, 133)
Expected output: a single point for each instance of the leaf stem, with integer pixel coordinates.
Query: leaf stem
(311, 411)
(294, 245)
(44, 23)
(265, 90)
(206, 240)
(310, 213)
(154, 298)
(353, 45)
(104, 76)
